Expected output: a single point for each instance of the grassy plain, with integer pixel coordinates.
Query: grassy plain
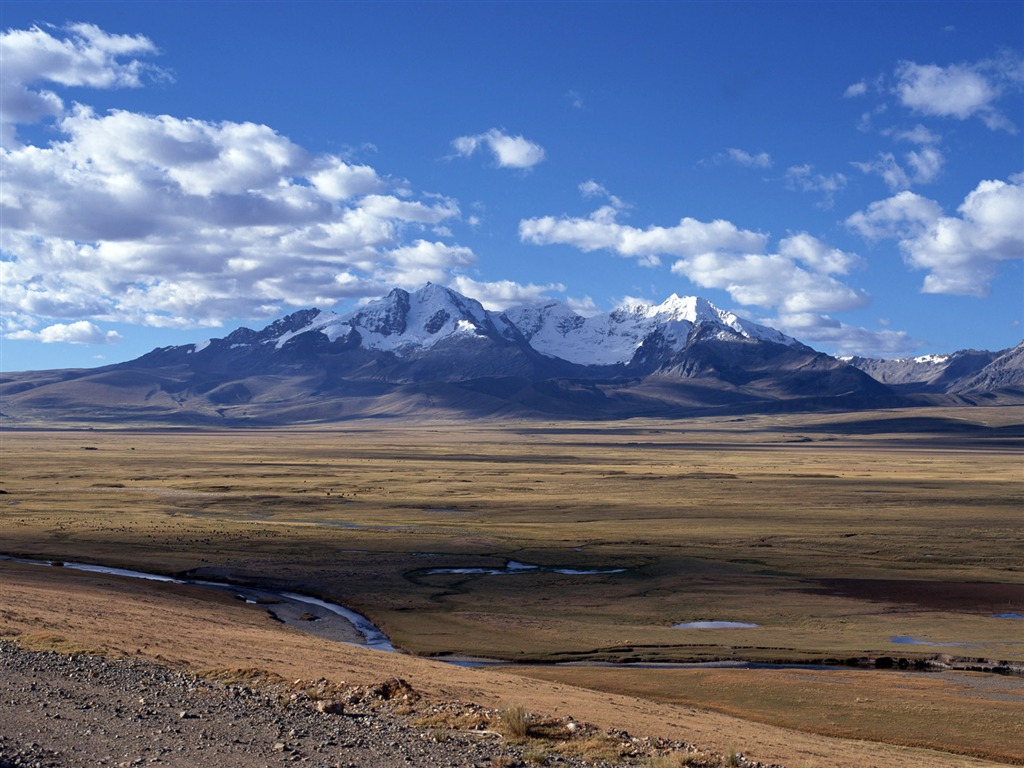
(833, 533)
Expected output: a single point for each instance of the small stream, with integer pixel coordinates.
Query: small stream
(301, 611)
(336, 622)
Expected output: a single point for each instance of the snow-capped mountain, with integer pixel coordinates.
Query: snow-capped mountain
(436, 351)
(404, 322)
(409, 323)
(614, 338)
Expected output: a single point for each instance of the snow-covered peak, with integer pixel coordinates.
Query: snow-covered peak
(331, 324)
(932, 359)
(695, 310)
(398, 322)
(614, 337)
(676, 307)
(404, 321)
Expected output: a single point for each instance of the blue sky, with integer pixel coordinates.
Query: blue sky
(850, 173)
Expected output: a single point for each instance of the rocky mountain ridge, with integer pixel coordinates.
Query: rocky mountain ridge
(434, 351)
(965, 372)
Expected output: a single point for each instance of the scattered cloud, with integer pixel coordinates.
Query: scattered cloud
(584, 306)
(80, 332)
(923, 166)
(591, 188)
(337, 180)
(891, 172)
(170, 222)
(856, 89)
(601, 231)
(424, 262)
(916, 135)
(508, 151)
(575, 99)
(866, 122)
(803, 178)
(771, 280)
(926, 164)
(744, 159)
(502, 294)
(960, 253)
(817, 256)
(846, 340)
(717, 254)
(960, 91)
(904, 215)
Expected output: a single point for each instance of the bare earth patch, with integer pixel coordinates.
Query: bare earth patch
(191, 629)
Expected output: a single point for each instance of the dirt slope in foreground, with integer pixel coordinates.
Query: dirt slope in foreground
(186, 627)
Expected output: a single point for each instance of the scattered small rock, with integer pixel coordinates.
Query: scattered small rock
(91, 703)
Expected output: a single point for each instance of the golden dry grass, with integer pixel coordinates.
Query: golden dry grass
(747, 520)
(963, 712)
(185, 626)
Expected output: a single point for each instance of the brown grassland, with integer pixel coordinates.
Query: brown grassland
(833, 533)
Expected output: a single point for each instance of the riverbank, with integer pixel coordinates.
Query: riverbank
(189, 629)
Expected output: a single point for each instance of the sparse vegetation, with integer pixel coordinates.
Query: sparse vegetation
(684, 760)
(516, 721)
(596, 747)
(44, 641)
(739, 520)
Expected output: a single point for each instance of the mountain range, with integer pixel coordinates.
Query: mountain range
(435, 352)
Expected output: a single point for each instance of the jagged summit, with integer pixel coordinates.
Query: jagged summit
(406, 322)
(400, 322)
(434, 351)
(614, 338)
(963, 372)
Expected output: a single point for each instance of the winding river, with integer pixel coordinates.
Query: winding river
(277, 603)
(311, 614)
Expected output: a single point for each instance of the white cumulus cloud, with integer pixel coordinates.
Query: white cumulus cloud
(601, 231)
(926, 164)
(425, 262)
(508, 151)
(717, 254)
(80, 332)
(906, 214)
(176, 222)
(844, 339)
(960, 90)
(773, 280)
(502, 294)
(84, 55)
(960, 253)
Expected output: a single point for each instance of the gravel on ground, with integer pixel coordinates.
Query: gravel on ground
(69, 711)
